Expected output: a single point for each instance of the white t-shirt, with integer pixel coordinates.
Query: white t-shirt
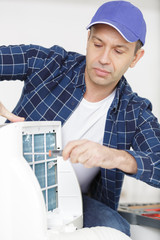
(87, 122)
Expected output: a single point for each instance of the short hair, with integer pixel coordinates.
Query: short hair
(138, 46)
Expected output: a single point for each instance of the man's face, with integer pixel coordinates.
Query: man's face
(108, 56)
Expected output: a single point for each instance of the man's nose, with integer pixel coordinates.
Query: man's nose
(105, 58)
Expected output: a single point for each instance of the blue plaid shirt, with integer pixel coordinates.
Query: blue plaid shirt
(54, 84)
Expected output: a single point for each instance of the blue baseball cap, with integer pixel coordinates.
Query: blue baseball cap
(124, 17)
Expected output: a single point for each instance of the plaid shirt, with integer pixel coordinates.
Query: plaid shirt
(54, 85)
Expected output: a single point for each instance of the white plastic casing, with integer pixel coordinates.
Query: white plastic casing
(23, 212)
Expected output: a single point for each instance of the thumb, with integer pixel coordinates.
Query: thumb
(8, 115)
(13, 118)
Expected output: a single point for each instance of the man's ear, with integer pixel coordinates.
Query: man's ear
(89, 33)
(139, 54)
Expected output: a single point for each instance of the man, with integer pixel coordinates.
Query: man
(108, 130)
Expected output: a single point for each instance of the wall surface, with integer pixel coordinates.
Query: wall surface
(63, 22)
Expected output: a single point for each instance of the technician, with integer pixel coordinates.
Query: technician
(108, 130)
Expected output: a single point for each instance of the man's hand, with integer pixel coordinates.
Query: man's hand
(92, 154)
(8, 115)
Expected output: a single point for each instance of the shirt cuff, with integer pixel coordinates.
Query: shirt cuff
(144, 166)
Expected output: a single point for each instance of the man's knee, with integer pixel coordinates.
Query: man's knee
(96, 214)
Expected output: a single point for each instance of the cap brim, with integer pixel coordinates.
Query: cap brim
(128, 35)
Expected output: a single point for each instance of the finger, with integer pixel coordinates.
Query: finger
(80, 154)
(70, 146)
(8, 115)
(13, 118)
(87, 164)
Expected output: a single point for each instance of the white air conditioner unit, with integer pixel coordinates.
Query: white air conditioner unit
(39, 192)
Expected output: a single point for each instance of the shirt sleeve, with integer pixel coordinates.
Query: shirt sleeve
(146, 149)
(15, 60)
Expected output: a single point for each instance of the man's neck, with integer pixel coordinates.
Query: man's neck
(96, 93)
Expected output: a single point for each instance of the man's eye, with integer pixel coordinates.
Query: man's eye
(97, 45)
(118, 51)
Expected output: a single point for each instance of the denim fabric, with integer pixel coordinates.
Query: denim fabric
(96, 214)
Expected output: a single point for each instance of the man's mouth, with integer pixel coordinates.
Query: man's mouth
(101, 72)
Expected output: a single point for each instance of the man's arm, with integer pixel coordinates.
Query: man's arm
(142, 161)
(92, 154)
(19, 61)
(8, 115)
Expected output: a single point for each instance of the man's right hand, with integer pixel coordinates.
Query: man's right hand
(8, 115)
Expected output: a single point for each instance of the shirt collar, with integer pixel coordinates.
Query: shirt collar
(122, 86)
(80, 79)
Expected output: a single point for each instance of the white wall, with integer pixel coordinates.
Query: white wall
(63, 22)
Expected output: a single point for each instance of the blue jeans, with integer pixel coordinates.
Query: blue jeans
(96, 213)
